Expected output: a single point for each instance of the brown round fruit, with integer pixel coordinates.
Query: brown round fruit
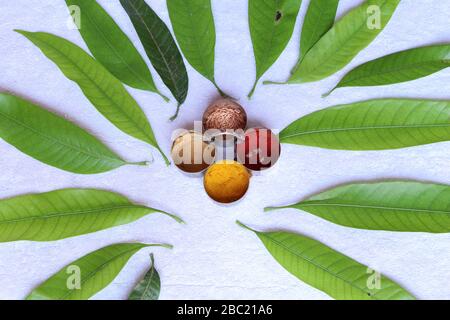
(191, 154)
(223, 115)
(260, 150)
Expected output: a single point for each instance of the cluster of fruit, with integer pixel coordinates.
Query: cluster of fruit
(226, 151)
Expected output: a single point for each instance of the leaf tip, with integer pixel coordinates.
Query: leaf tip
(273, 82)
(176, 218)
(269, 209)
(152, 259)
(166, 160)
(166, 99)
(222, 93)
(172, 216)
(252, 91)
(244, 226)
(142, 163)
(22, 32)
(325, 95)
(163, 245)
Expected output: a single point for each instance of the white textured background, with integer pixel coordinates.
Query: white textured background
(213, 257)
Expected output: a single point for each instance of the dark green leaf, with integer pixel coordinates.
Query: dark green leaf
(160, 47)
(96, 271)
(149, 287)
(399, 67)
(328, 270)
(272, 23)
(111, 46)
(395, 206)
(66, 213)
(344, 41)
(102, 89)
(52, 139)
(373, 125)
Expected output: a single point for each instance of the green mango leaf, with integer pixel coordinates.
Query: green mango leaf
(66, 213)
(193, 24)
(318, 20)
(272, 23)
(160, 47)
(149, 287)
(100, 87)
(399, 67)
(393, 206)
(373, 125)
(52, 139)
(335, 274)
(112, 48)
(83, 278)
(344, 41)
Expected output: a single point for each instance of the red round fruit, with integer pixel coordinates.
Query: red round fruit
(260, 150)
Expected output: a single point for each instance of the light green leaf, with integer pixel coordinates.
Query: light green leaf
(318, 20)
(52, 139)
(399, 67)
(394, 206)
(160, 47)
(272, 23)
(102, 89)
(335, 274)
(344, 41)
(111, 46)
(149, 287)
(373, 125)
(66, 213)
(193, 24)
(95, 271)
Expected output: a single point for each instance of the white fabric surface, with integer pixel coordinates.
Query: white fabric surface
(213, 258)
